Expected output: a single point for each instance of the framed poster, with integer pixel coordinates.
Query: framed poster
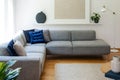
(71, 11)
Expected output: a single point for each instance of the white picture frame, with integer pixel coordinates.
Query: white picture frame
(86, 20)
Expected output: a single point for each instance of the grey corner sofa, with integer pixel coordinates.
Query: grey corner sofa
(76, 42)
(61, 42)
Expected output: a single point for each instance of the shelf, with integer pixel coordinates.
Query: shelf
(50, 24)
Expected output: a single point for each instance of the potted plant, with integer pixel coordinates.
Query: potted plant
(6, 73)
(95, 17)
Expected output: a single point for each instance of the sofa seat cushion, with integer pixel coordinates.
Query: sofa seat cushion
(90, 47)
(59, 47)
(35, 49)
(41, 55)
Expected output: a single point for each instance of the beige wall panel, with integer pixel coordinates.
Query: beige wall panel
(69, 9)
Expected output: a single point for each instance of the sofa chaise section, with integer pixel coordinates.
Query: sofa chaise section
(93, 47)
(85, 43)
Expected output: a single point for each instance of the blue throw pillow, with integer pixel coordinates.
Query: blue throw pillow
(10, 49)
(26, 33)
(36, 37)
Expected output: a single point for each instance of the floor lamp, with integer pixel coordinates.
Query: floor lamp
(114, 13)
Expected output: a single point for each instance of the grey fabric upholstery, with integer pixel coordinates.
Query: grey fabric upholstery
(42, 57)
(83, 35)
(3, 49)
(46, 35)
(35, 49)
(59, 47)
(20, 37)
(94, 47)
(59, 35)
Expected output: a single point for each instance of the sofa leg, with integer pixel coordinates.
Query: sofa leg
(106, 57)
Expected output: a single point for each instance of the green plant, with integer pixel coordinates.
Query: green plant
(6, 73)
(95, 17)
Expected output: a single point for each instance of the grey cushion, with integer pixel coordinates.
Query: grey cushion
(60, 35)
(83, 35)
(20, 37)
(35, 49)
(59, 47)
(46, 35)
(19, 49)
(95, 47)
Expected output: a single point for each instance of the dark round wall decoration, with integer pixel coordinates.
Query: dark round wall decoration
(41, 17)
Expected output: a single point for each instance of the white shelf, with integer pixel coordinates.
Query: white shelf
(44, 24)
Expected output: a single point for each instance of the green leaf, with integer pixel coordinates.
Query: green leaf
(6, 73)
(13, 74)
(11, 63)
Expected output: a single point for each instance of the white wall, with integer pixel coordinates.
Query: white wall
(25, 11)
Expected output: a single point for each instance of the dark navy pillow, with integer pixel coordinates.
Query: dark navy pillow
(26, 33)
(36, 37)
(10, 49)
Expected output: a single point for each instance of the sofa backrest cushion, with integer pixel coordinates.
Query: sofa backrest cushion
(46, 35)
(59, 35)
(83, 35)
(20, 37)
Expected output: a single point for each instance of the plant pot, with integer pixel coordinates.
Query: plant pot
(96, 20)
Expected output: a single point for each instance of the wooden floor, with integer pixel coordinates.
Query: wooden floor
(48, 73)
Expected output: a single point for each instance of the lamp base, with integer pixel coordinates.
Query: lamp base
(114, 50)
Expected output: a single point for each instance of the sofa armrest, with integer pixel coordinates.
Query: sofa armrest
(31, 68)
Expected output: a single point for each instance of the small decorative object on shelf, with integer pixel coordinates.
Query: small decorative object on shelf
(95, 17)
(41, 17)
(115, 64)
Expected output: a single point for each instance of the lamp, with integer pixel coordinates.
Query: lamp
(104, 9)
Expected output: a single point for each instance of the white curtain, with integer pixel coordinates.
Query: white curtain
(6, 20)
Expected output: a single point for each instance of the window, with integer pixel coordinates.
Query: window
(6, 20)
